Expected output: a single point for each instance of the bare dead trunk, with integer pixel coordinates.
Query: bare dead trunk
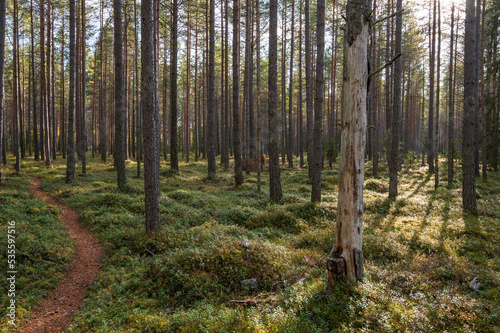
(346, 258)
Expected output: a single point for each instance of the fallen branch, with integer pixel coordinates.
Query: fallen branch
(154, 255)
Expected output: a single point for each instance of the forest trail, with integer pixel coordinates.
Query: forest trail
(56, 312)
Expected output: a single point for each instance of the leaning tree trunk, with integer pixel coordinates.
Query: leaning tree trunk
(346, 258)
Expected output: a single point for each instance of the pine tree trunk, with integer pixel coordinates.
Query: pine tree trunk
(15, 91)
(174, 159)
(396, 109)
(47, 118)
(346, 257)
(451, 110)
(290, 94)
(211, 112)
(438, 84)
(468, 132)
(274, 164)
(119, 152)
(309, 104)
(430, 129)
(70, 161)
(226, 88)
(238, 172)
(300, 120)
(318, 105)
(150, 119)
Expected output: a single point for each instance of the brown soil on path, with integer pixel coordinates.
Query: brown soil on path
(55, 313)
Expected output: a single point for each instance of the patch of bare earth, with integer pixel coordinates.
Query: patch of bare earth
(56, 312)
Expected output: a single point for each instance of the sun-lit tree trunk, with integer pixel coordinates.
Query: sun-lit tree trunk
(150, 119)
(346, 257)
(274, 163)
(318, 105)
(309, 102)
(438, 86)
(468, 132)
(238, 172)
(396, 109)
(70, 160)
(430, 128)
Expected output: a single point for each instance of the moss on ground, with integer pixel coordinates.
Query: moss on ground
(421, 252)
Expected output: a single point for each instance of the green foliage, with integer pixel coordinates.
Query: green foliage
(421, 251)
(43, 247)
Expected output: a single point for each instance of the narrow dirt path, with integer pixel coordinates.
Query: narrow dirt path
(55, 313)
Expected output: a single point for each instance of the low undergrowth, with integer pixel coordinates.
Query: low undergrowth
(421, 253)
(43, 247)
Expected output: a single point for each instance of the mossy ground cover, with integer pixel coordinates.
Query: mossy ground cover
(421, 252)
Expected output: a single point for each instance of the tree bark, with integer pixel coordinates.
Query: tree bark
(15, 91)
(211, 94)
(174, 159)
(309, 104)
(396, 109)
(468, 131)
(346, 258)
(318, 105)
(119, 152)
(430, 129)
(274, 163)
(70, 161)
(438, 84)
(238, 173)
(451, 110)
(290, 93)
(150, 119)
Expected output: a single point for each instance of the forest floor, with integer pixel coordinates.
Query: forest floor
(421, 253)
(55, 313)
